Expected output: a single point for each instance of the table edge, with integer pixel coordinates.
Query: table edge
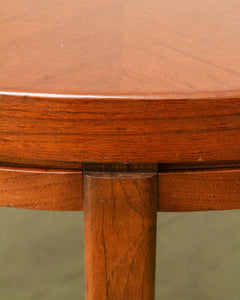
(164, 96)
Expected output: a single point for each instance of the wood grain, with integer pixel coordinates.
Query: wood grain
(111, 81)
(41, 189)
(120, 235)
(120, 47)
(199, 190)
(195, 190)
(118, 130)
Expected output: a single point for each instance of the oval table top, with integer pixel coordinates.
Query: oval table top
(120, 81)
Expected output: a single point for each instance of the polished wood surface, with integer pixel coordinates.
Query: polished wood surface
(41, 189)
(113, 130)
(120, 82)
(194, 190)
(120, 235)
(120, 47)
(199, 190)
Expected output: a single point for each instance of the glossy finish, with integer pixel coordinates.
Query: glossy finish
(199, 190)
(41, 189)
(120, 47)
(111, 130)
(119, 81)
(147, 81)
(120, 212)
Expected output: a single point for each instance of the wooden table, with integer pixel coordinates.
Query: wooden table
(123, 108)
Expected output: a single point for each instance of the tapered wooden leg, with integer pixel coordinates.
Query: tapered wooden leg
(120, 235)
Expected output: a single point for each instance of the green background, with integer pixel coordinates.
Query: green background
(42, 257)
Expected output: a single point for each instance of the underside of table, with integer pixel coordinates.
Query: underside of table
(120, 203)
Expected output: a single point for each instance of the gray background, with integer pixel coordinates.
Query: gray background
(41, 255)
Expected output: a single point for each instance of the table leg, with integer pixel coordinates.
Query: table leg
(120, 212)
